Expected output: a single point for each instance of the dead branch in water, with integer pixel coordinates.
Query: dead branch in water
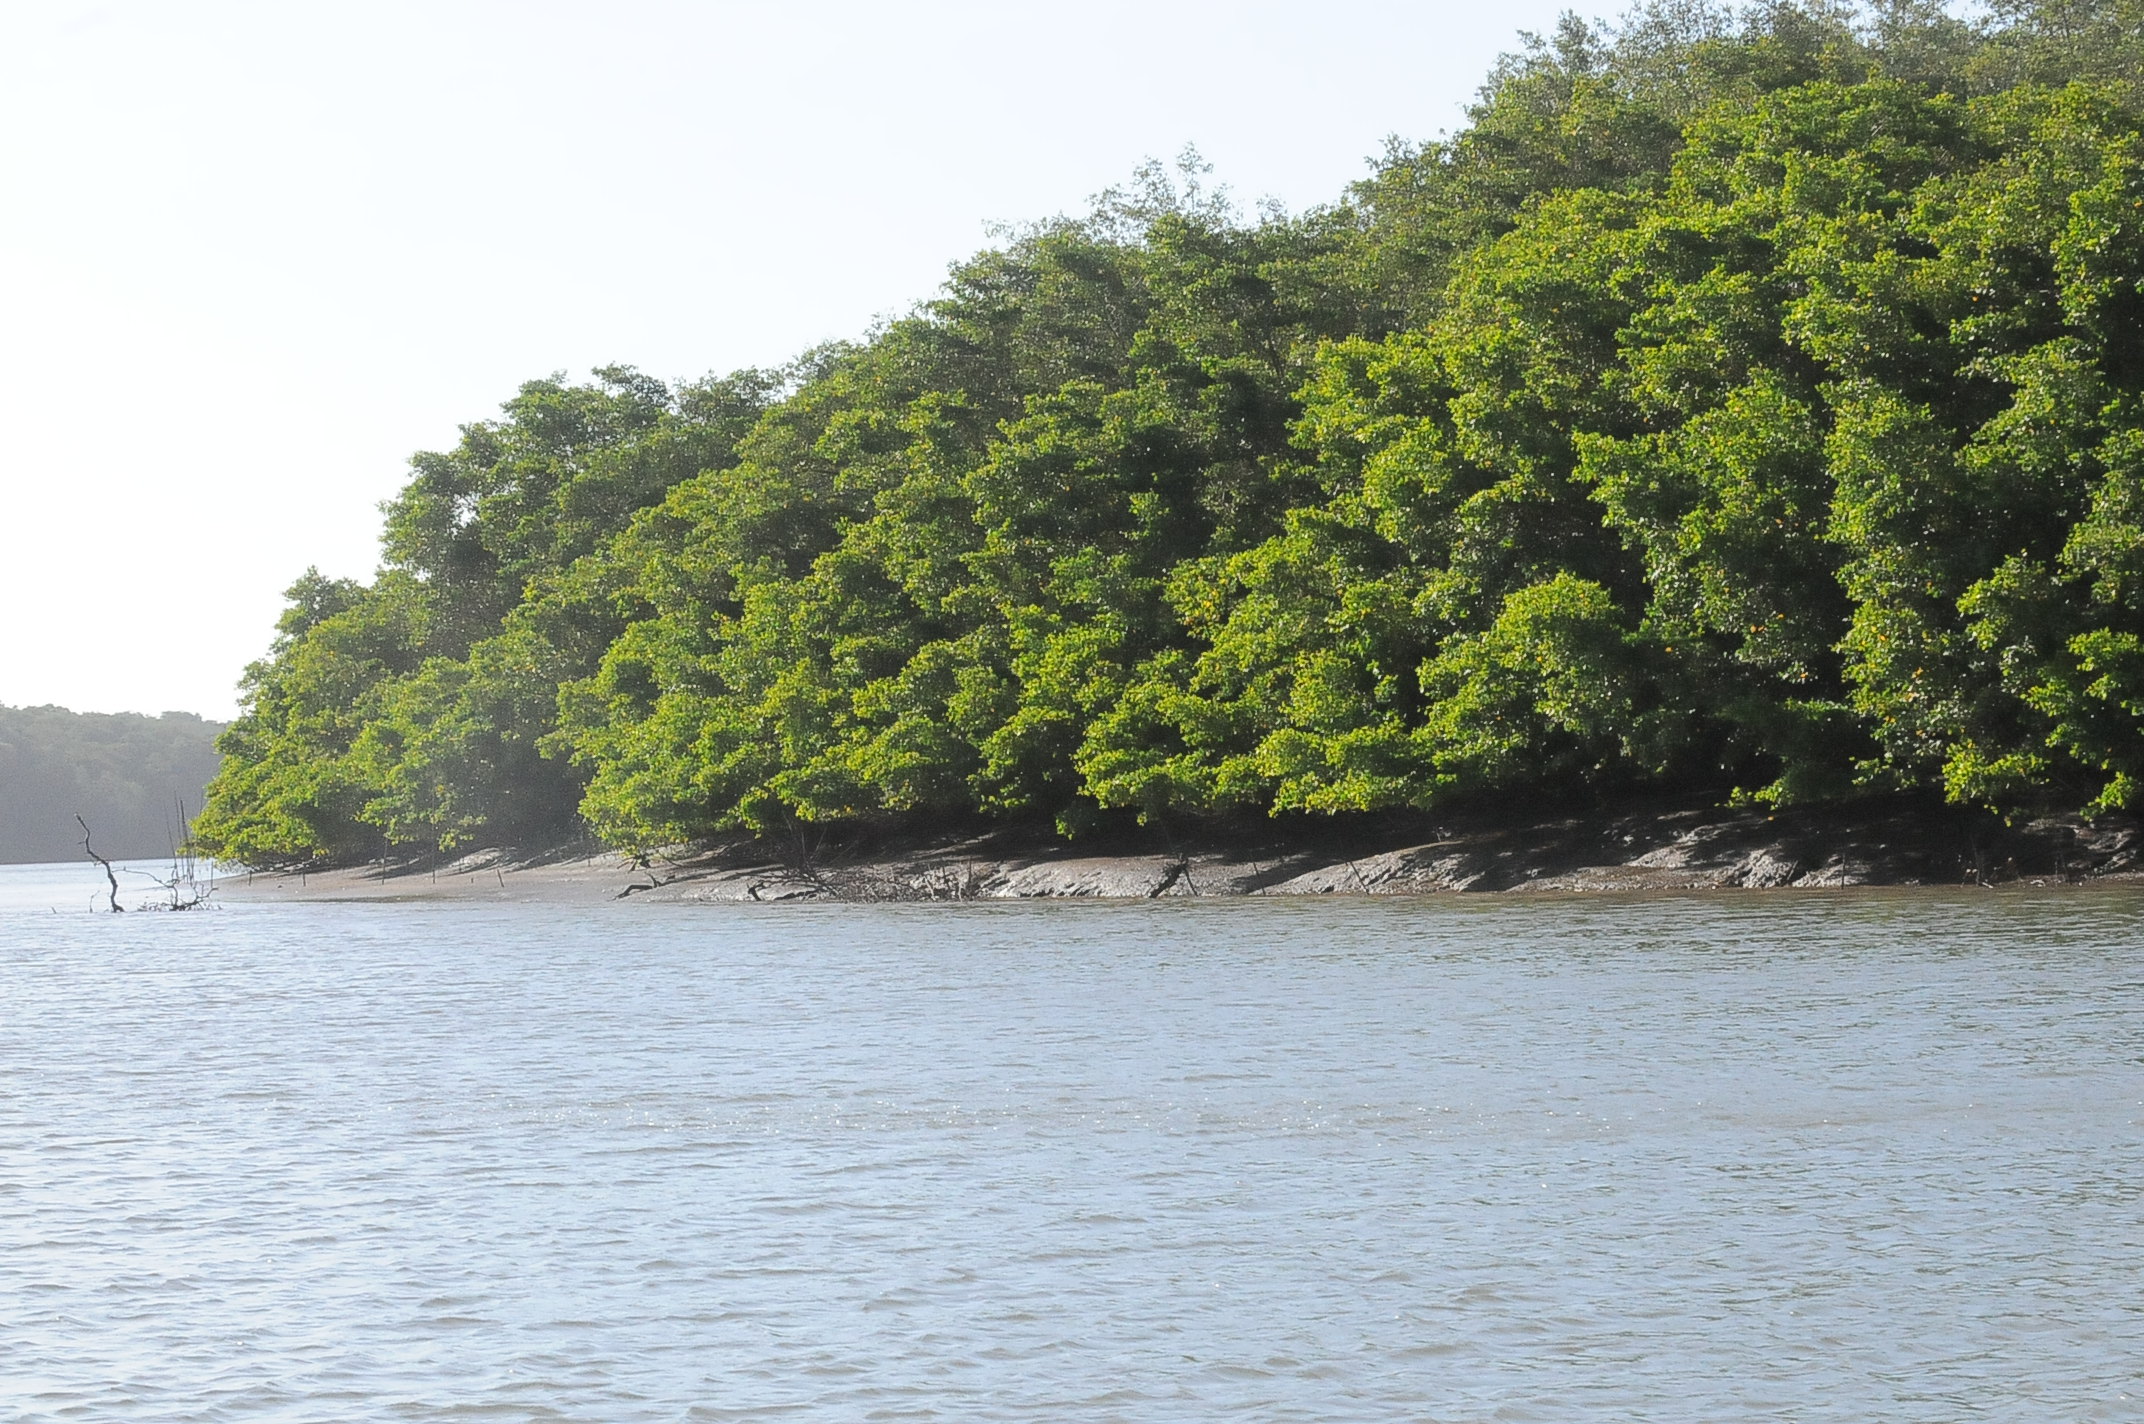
(110, 875)
(183, 888)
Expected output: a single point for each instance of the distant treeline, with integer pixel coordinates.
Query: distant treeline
(124, 774)
(1744, 402)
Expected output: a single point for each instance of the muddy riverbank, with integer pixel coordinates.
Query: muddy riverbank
(1672, 848)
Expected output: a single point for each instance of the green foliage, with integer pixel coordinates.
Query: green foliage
(414, 710)
(1740, 402)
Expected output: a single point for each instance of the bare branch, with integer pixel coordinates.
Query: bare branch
(109, 875)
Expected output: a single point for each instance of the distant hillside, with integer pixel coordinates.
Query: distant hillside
(122, 773)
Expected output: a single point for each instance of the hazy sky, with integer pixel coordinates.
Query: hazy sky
(253, 256)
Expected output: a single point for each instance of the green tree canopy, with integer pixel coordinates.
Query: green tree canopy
(1741, 402)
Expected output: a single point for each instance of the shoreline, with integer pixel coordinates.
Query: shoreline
(1674, 849)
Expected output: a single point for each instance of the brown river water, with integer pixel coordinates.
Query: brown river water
(1804, 1156)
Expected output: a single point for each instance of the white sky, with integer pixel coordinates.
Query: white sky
(254, 255)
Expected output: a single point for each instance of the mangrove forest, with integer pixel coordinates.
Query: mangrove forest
(1743, 403)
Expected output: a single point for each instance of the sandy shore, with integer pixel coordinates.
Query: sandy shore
(1663, 850)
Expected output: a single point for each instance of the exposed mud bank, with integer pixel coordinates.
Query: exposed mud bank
(1676, 848)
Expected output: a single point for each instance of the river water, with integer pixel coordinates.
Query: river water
(1790, 1156)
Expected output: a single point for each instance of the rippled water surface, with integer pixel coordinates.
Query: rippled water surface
(1795, 1156)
